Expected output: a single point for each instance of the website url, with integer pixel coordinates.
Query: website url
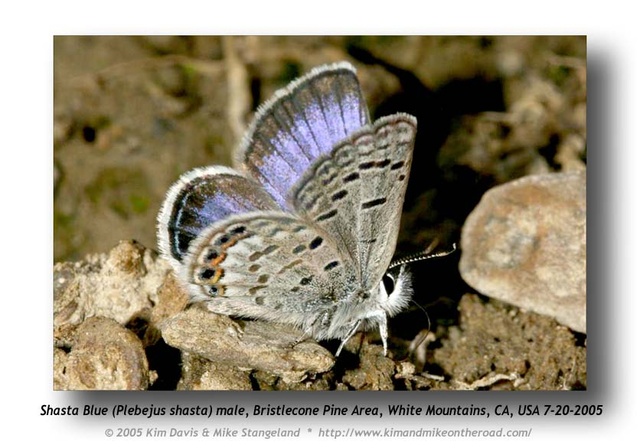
(423, 432)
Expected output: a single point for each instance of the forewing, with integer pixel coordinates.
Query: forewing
(268, 265)
(300, 123)
(356, 192)
(200, 198)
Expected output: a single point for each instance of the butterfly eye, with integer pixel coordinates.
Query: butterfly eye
(389, 283)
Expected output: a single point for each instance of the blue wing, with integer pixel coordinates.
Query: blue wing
(299, 124)
(200, 198)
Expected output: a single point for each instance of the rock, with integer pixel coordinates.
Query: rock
(105, 356)
(375, 371)
(60, 379)
(201, 374)
(247, 345)
(172, 298)
(525, 244)
(120, 285)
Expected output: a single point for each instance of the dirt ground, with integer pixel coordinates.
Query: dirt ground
(132, 113)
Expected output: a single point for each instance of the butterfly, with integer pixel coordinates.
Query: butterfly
(304, 227)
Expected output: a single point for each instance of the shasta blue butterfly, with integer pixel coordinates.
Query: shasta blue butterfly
(303, 229)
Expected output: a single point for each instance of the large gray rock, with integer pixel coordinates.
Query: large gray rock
(525, 244)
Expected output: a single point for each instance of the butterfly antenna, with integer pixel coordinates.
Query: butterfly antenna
(424, 255)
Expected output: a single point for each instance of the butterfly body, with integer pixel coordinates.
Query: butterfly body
(302, 232)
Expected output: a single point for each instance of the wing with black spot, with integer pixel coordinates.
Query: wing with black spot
(269, 265)
(356, 192)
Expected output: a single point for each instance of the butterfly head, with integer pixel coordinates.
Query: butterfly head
(368, 310)
(395, 290)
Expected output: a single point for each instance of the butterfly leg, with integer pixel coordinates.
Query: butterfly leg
(306, 335)
(381, 318)
(348, 336)
(384, 333)
(309, 330)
